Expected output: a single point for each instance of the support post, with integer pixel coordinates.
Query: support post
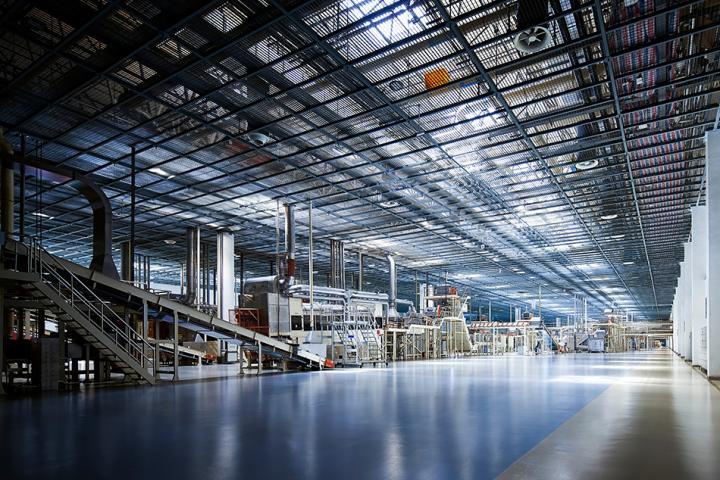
(127, 271)
(225, 274)
(7, 196)
(144, 330)
(687, 302)
(417, 291)
(61, 352)
(311, 266)
(242, 280)
(156, 359)
(176, 352)
(699, 288)
(146, 272)
(131, 246)
(241, 359)
(21, 219)
(260, 359)
(3, 320)
(712, 200)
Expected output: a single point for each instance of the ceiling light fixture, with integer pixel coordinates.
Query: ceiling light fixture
(616, 237)
(161, 172)
(396, 85)
(612, 216)
(587, 164)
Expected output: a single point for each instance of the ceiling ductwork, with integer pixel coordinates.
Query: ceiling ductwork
(532, 37)
(102, 219)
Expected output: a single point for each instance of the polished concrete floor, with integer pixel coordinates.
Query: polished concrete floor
(640, 415)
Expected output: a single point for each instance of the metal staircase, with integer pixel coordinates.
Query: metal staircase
(555, 346)
(365, 333)
(348, 341)
(80, 309)
(360, 342)
(70, 281)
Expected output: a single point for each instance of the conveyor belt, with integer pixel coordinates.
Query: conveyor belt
(217, 335)
(182, 350)
(189, 318)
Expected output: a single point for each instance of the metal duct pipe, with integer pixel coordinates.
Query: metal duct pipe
(102, 259)
(337, 264)
(225, 283)
(146, 272)
(392, 293)
(290, 242)
(192, 264)
(7, 185)
(8, 195)
(126, 262)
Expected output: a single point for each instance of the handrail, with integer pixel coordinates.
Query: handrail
(136, 347)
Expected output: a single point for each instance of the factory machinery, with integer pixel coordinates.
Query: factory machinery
(72, 325)
(65, 325)
(339, 324)
(531, 336)
(437, 330)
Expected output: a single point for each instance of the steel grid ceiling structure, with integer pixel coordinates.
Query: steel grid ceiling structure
(570, 169)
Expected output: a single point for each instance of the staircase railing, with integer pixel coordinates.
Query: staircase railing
(84, 300)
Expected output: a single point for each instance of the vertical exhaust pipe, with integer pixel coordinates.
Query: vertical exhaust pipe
(192, 264)
(287, 273)
(337, 264)
(290, 239)
(7, 187)
(126, 262)
(392, 294)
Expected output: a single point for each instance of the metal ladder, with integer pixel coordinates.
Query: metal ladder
(90, 317)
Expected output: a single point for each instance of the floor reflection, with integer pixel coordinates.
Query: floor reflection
(466, 418)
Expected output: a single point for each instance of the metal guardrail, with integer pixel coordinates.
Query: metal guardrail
(82, 298)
